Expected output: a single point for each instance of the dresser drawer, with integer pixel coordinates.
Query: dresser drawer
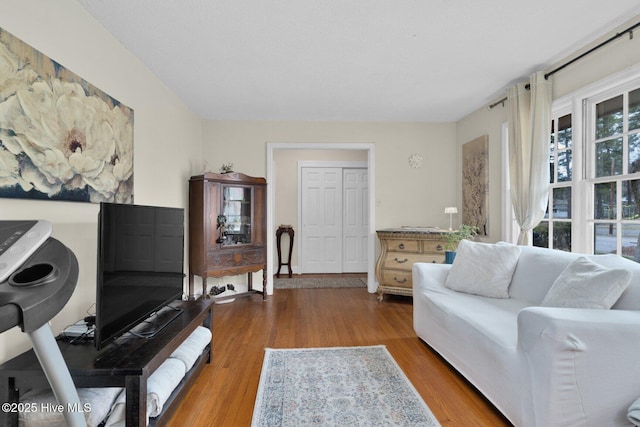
(431, 247)
(235, 258)
(402, 245)
(401, 261)
(432, 258)
(397, 278)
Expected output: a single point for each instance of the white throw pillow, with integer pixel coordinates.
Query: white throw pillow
(585, 284)
(483, 269)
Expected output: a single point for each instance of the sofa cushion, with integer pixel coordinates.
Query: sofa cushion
(536, 271)
(483, 269)
(585, 284)
(630, 299)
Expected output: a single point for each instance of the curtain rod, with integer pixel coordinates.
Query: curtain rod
(577, 58)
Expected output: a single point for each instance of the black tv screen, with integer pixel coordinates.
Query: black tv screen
(140, 265)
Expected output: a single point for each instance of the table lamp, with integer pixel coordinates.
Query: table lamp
(451, 210)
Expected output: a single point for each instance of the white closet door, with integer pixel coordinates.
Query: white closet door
(321, 231)
(355, 220)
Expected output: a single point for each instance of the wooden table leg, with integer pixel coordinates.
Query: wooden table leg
(291, 234)
(264, 283)
(136, 396)
(278, 238)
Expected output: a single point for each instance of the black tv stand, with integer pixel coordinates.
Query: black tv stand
(126, 363)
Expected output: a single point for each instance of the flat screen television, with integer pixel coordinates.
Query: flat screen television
(140, 265)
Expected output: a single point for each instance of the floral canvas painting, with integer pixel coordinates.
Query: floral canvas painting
(475, 184)
(61, 138)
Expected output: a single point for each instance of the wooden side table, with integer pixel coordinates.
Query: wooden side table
(289, 230)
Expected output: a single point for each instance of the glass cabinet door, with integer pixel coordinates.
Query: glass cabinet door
(236, 213)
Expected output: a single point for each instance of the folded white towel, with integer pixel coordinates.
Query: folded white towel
(160, 385)
(99, 401)
(192, 347)
(633, 414)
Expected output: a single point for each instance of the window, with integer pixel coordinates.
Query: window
(613, 141)
(594, 194)
(554, 231)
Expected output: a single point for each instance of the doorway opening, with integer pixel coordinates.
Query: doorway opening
(272, 148)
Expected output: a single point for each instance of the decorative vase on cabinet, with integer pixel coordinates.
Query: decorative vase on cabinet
(227, 228)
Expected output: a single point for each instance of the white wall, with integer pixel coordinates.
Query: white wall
(167, 136)
(614, 57)
(404, 195)
(484, 122)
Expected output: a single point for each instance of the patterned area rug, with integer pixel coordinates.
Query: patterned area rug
(339, 386)
(319, 282)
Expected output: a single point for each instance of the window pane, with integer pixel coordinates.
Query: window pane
(609, 117)
(605, 239)
(609, 157)
(634, 109)
(564, 166)
(564, 132)
(541, 235)
(634, 153)
(604, 201)
(562, 202)
(562, 236)
(631, 199)
(631, 241)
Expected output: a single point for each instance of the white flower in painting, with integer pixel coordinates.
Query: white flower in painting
(12, 75)
(123, 161)
(10, 171)
(68, 137)
(31, 174)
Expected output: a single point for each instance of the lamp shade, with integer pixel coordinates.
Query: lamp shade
(451, 210)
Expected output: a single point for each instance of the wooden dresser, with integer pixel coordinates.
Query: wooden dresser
(400, 248)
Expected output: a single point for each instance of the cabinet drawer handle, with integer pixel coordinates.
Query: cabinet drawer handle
(439, 247)
(400, 281)
(401, 246)
(400, 261)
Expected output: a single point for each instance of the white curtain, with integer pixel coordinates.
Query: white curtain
(529, 133)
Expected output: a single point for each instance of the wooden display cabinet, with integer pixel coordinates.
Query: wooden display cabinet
(227, 228)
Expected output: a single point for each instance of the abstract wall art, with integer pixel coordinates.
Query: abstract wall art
(61, 138)
(475, 184)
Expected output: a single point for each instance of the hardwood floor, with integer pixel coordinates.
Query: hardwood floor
(224, 393)
(323, 275)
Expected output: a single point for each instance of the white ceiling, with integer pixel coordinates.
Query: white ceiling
(374, 60)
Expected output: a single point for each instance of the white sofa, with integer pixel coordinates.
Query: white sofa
(540, 366)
